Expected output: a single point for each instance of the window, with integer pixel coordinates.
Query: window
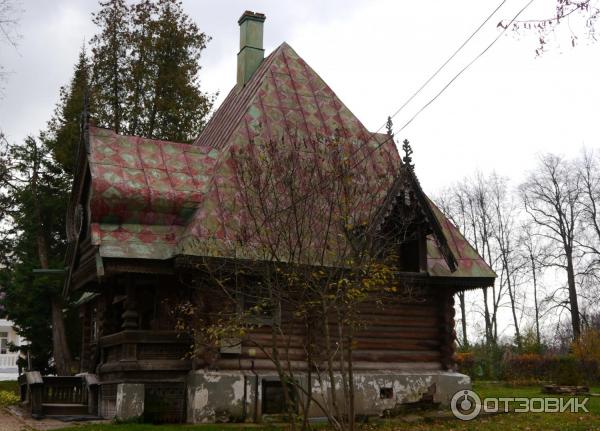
(386, 393)
(3, 343)
(410, 256)
(274, 398)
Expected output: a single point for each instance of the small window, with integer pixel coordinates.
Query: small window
(410, 256)
(3, 343)
(273, 400)
(386, 393)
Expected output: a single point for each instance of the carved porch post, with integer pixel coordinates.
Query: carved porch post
(447, 332)
(130, 315)
(130, 320)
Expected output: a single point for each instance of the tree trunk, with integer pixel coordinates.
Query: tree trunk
(463, 316)
(575, 318)
(486, 315)
(511, 294)
(60, 348)
(535, 302)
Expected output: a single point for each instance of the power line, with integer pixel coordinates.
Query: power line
(391, 137)
(504, 29)
(466, 67)
(439, 69)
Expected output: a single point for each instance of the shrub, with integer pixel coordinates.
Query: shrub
(482, 362)
(587, 347)
(8, 398)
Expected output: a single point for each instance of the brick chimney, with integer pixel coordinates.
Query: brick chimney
(251, 46)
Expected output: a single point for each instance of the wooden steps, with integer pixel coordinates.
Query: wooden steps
(54, 409)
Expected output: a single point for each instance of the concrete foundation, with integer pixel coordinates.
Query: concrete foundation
(130, 401)
(220, 396)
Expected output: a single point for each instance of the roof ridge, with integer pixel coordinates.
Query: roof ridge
(210, 134)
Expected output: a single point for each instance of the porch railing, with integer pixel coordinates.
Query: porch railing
(8, 360)
(64, 390)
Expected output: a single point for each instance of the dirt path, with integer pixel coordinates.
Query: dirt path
(8, 422)
(16, 419)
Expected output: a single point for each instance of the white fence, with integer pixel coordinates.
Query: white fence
(8, 360)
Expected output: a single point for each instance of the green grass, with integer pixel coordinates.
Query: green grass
(9, 386)
(505, 421)
(9, 393)
(148, 427)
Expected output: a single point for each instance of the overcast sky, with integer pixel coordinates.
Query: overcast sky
(506, 109)
(503, 111)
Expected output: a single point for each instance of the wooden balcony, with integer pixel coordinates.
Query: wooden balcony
(142, 350)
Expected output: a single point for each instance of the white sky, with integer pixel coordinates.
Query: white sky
(506, 109)
(503, 111)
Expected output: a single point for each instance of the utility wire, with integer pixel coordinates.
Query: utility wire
(439, 69)
(391, 137)
(486, 49)
(466, 67)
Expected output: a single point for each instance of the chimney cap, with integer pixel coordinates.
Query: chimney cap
(255, 16)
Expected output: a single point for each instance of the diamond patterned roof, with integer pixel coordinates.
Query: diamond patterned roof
(155, 199)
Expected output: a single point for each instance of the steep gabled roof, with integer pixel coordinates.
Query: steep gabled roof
(153, 199)
(285, 98)
(469, 262)
(406, 182)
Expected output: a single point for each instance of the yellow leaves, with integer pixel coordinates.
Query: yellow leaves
(587, 347)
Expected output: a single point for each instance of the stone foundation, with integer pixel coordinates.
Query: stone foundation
(226, 396)
(130, 401)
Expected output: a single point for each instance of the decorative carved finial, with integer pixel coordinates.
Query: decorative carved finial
(389, 127)
(407, 159)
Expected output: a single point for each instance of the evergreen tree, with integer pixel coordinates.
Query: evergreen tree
(139, 84)
(34, 195)
(177, 109)
(110, 56)
(143, 79)
(64, 127)
(145, 70)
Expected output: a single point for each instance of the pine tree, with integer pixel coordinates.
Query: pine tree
(145, 79)
(35, 194)
(110, 55)
(178, 109)
(140, 70)
(64, 127)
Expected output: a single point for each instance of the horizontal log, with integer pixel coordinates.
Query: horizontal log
(409, 321)
(264, 364)
(373, 343)
(395, 356)
(400, 310)
(396, 332)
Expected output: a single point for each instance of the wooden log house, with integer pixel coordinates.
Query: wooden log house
(142, 210)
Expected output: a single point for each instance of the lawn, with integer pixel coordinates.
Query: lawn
(9, 392)
(9, 386)
(510, 421)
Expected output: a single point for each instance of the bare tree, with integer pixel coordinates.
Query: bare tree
(578, 19)
(474, 212)
(10, 14)
(532, 250)
(305, 263)
(552, 196)
(453, 205)
(506, 236)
